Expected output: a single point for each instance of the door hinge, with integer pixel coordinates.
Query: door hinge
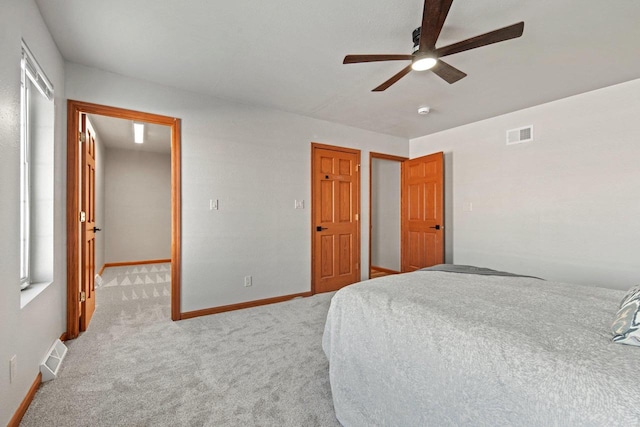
(357, 217)
(83, 216)
(82, 137)
(83, 296)
(357, 167)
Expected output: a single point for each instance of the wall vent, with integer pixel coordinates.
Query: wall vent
(52, 362)
(519, 135)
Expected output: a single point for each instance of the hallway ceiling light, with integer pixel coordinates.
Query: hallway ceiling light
(138, 133)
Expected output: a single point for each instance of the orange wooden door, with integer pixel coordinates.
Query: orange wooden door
(335, 218)
(422, 212)
(88, 236)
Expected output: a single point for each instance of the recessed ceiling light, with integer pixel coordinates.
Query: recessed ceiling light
(138, 133)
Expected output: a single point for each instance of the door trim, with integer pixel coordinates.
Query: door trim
(74, 108)
(314, 146)
(400, 159)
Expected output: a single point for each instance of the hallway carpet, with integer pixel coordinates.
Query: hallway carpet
(262, 366)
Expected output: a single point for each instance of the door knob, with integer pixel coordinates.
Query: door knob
(96, 229)
(437, 227)
(320, 228)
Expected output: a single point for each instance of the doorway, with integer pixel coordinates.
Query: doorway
(80, 260)
(132, 192)
(419, 214)
(335, 217)
(384, 214)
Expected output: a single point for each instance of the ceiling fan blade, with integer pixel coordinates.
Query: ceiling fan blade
(354, 59)
(433, 16)
(393, 79)
(447, 72)
(506, 33)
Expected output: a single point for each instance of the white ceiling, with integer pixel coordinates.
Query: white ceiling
(118, 133)
(287, 54)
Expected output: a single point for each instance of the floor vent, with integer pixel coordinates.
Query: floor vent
(517, 136)
(52, 362)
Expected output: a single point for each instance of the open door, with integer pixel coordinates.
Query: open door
(422, 212)
(88, 221)
(335, 216)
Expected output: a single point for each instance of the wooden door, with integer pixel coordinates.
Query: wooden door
(335, 217)
(88, 223)
(422, 212)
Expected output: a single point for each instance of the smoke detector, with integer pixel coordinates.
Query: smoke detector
(423, 111)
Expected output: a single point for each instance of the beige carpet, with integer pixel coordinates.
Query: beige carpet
(262, 366)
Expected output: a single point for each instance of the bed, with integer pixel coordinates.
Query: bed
(442, 347)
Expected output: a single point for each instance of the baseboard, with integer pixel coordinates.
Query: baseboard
(384, 270)
(22, 409)
(239, 306)
(120, 264)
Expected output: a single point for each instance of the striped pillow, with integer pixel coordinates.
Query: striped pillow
(633, 293)
(626, 326)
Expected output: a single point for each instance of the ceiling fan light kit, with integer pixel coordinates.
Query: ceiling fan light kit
(425, 56)
(423, 62)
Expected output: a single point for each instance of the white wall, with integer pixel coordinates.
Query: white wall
(256, 162)
(28, 332)
(563, 207)
(137, 205)
(385, 214)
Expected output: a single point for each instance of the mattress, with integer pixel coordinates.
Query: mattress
(447, 348)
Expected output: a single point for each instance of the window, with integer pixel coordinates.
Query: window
(36, 173)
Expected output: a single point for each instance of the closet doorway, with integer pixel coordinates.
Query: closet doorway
(385, 180)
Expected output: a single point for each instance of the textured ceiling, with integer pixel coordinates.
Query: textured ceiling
(287, 54)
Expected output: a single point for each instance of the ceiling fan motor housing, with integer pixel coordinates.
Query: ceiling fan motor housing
(416, 39)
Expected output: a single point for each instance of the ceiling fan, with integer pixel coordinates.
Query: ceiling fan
(425, 56)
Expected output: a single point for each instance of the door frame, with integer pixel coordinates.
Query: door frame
(358, 261)
(399, 159)
(74, 108)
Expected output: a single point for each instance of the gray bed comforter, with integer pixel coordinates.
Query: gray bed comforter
(434, 348)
